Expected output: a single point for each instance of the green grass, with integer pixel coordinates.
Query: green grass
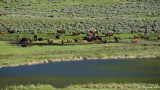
(111, 86)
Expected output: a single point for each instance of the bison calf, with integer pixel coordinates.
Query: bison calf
(109, 34)
(69, 40)
(76, 33)
(134, 41)
(116, 39)
(50, 41)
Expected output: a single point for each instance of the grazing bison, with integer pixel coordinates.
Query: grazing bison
(61, 31)
(2, 32)
(11, 31)
(158, 37)
(54, 33)
(88, 38)
(69, 40)
(136, 37)
(134, 41)
(2, 14)
(57, 37)
(109, 34)
(145, 37)
(90, 34)
(35, 37)
(40, 39)
(93, 31)
(84, 41)
(75, 40)
(155, 39)
(93, 38)
(99, 37)
(50, 41)
(116, 39)
(76, 33)
(62, 42)
(104, 41)
(26, 40)
(79, 38)
(51, 16)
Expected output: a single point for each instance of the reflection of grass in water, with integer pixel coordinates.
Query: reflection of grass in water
(146, 66)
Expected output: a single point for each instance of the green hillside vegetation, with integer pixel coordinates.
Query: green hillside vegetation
(118, 16)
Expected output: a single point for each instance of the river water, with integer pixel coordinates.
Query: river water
(62, 74)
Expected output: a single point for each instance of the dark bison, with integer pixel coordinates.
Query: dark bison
(158, 37)
(76, 33)
(26, 40)
(11, 31)
(35, 37)
(145, 37)
(75, 40)
(61, 31)
(99, 37)
(88, 38)
(116, 39)
(51, 16)
(62, 42)
(93, 31)
(57, 37)
(134, 41)
(40, 39)
(109, 34)
(104, 41)
(50, 41)
(69, 40)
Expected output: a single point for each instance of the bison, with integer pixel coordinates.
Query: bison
(54, 33)
(51, 16)
(145, 37)
(62, 42)
(79, 38)
(90, 34)
(84, 41)
(76, 33)
(50, 41)
(26, 40)
(40, 39)
(99, 37)
(134, 41)
(57, 37)
(11, 31)
(93, 31)
(35, 37)
(75, 40)
(61, 31)
(158, 37)
(116, 39)
(104, 41)
(2, 32)
(136, 37)
(2, 14)
(69, 40)
(109, 34)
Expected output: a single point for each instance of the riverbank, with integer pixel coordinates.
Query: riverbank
(112, 86)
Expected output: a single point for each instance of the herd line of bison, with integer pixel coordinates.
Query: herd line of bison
(92, 35)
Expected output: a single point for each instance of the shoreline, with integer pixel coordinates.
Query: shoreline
(76, 59)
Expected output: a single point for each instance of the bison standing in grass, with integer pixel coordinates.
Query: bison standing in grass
(109, 34)
(79, 38)
(158, 37)
(57, 37)
(134, 41)
(99, 37)
(50, 41)
(136, 37)
(40, 39)
(76, 33)
(69, 40)
(54, 33)
(26, 40)
(75, 40)
(11, 31)
(61, 31)
(116, 39)
(145, 37)
(35, 37)
(93, 31)
(104, 41)
(62, 42)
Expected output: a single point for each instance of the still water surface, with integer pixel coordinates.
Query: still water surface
(61, 74)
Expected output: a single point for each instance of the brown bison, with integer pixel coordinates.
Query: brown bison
(2, 32)
(84, 41)
(75, 40)
(88, 38)
(35, 37)
(109, 34)
(104, 41)
(54, 33)
(2, 14)
(134, 41)
(11, 31)
(61, 31)
(40, 39)
(99, 37)
(136, 37)
(51, 16)
(50, 41)
(116, 39)
(79, 38)
(90, 34)
(57, 37)
(145, 37)
(62, 42)
(93, 31)
(158, 37)
(76, 33)
(69, 40)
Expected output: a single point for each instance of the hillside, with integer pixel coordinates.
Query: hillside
(119, 16)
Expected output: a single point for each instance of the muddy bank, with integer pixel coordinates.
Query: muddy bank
(77, 59)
